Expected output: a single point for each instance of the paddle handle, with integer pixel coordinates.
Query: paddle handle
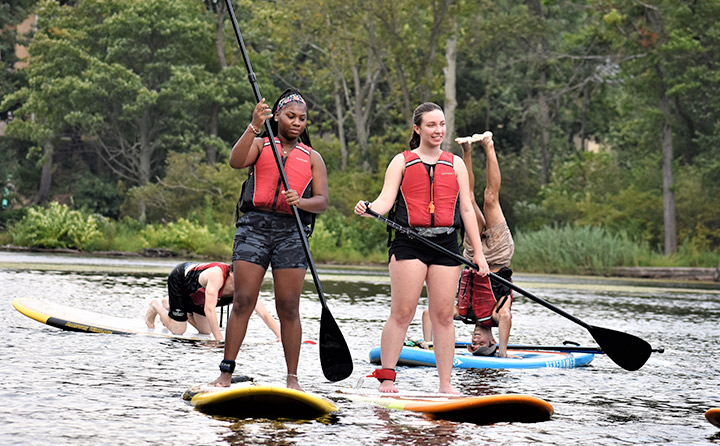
(414, 235)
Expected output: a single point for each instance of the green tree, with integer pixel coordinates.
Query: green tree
(668, 50)
(12, 13)
(116, 72)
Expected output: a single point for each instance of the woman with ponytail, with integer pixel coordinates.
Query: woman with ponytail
(429, 190)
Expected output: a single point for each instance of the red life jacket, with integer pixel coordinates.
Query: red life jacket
(477, 296)
(198, 297)
(428, 199)
(263, 186)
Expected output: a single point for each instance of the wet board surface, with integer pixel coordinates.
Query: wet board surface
(526, 359)
(713, 416)
(251, 400)
(76, 319)
(487, 409)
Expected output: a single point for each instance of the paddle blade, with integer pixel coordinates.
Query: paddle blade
(625, 350)
(335, 358)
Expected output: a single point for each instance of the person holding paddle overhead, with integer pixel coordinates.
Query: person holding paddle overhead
(194, 290)
(481, 301)
(267, 233)
(429, 189)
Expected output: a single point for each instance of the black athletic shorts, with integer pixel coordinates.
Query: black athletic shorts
(406, 248)
(178, 296)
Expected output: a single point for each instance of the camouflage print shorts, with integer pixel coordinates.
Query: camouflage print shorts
(268, 238)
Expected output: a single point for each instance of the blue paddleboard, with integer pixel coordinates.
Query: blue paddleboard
(525, 359)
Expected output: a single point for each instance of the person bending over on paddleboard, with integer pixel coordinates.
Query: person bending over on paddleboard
(480, 300)
(267, 232)
(194, 290)
(429, 189)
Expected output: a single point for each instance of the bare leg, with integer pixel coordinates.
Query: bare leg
(247, 288)
(288, 286)
(467, 158)
(491, 205)
(200, 323)
(158, 309)
(426, 329)
(441, 283)
(504, 326)
(406, 282)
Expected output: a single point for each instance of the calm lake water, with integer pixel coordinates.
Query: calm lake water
(65, 388)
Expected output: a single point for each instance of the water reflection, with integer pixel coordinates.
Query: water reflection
(414, 429)
(85, 389)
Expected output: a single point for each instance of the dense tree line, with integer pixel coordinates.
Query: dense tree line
(604, 111)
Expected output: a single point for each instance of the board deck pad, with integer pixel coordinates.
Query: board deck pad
(481, 410)
(525, 359)
(250, 400)
(713, 416)
(76, 319)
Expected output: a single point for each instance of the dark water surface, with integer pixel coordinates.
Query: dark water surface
(64, 388)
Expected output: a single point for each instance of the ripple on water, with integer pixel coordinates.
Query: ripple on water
(79, 389)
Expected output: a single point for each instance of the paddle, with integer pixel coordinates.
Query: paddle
(556, 348)
(626, 350)
(335, 358)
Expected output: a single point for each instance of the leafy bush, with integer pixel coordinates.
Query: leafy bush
(186, 237)
(351, 239)
(119, 235)
(56, 226)
(192, 189)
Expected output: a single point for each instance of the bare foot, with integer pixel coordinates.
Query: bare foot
(447, 388)
(292, 383)
(222, 381)
(150, 317)
(387, 386)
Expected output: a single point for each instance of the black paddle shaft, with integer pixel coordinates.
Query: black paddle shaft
(626, 350)
(335, 357)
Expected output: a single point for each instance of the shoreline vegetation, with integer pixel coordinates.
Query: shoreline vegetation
(352, 242)
(677, 273)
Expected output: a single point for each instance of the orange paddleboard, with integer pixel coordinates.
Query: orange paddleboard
(713, 416)
(472, 409)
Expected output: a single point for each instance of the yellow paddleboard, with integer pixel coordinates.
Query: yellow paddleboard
(713, 416)
(248, 400)
(472, 409)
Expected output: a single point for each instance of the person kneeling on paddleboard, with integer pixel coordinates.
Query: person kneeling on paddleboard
(194, 291)
(481, 301)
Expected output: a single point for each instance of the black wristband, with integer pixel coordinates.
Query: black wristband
(227, 366)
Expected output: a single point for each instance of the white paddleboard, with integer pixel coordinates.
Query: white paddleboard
(75, 319)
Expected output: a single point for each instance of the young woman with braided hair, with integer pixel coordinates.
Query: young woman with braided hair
(267, 233)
